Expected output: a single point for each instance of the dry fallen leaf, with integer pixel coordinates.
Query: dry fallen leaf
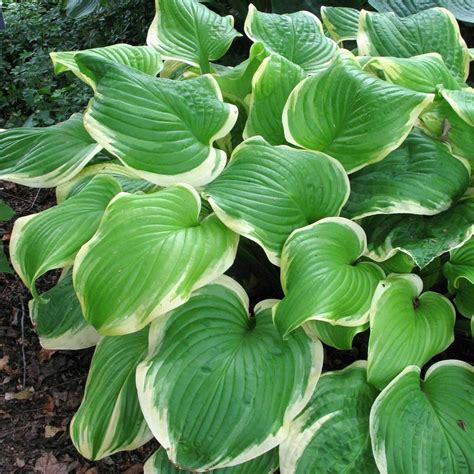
(51, 431)
(23, 395)
(135, 469)
(45, 355)
(4, 367)
(48, 464)
(48, 407)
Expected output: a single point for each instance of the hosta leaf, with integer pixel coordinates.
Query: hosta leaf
(430, 31)
(422, 73)
(6, 212)
(284, 6)
(52, 238)
(425, 425)
(332, 432)
(342, 23)
(351, 115)
(420, 177)
(406, 327)
(422, 237)
(400, 262)
(109, 418)
(320, 278)
(218, 387)
(128, 180)
(80, 8)
(271, 87)
(267, 463)
(236, 82)
(45, 157)
(462, 9)
(143, 58)
(266, 192)
(188, 31)
(58, 320)
(339, 337)
(462, 102)
(298, 37)
(149, 253)
(163, 129)
(442, 121)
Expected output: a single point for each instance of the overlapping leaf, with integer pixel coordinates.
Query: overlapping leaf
(163, 129)
(351, 115)
(149, 253)
(462, 102)
(422, 237)
(271, 87)
(142, 58)
(430, 31)
(420, 177)
(268, 191)
(321, 279)
(332, 433)
(46, 157)
(188, 31)
(52, 238)
(406, 327)
(297, 36)
(218, 387)
(59, 321)
(423, 425)
(109, 418)
(339, 337)
(342, 23)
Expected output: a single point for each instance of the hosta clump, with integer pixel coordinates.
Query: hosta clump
(351, 174)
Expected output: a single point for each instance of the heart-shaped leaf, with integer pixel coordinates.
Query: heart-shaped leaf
(268, 191)
(188, 31)
(425, 425)
(431, 31)
(342, 23)
(350, 114)
(58, 319)
(420, 177)
(406, 327)
(271, 87)
(109, 418)
(149, 253)
(332, 432)
(218, 387)
(321, 279)
(52, 238)
(46, 157)
(143, 58)
(421, 237)
(339, 337)
(163, 129)
(297, 36)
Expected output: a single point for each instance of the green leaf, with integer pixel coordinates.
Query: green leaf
(421, 237)
(46, 157)
(339, 337)
(267, 463)
(332, 432)
(462, 102)
(422, 73)
(462, 9)
(351, 115)
(298, 37)
(442, 121)
(406, 327)
(400, 262)
(284, 6)
(219, 387)
(162, 129)
(321, 279)
(52, 238)
(149, 253)
(80, 8)
(425, 425)
(268, 191)
(128, 180)
(271, 87)
(142, 58)
(430, 31)
(342, 23)
(109, 418)
(6, 212)
(4, 265)
(58, 319)
(188, 31)
(420, 177)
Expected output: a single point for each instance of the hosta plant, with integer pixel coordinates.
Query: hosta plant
(216, 227)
